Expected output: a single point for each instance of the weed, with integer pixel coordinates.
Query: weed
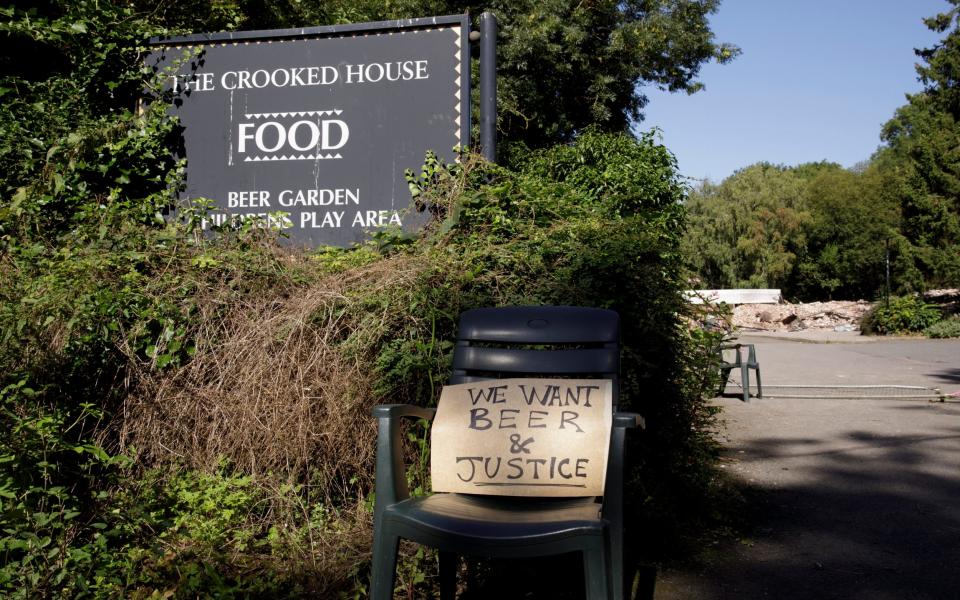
(906, 314)
(947, 328)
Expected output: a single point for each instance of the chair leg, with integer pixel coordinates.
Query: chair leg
(617, 579)
(448, 575)
(384, 566)
(595, 574)
(759, 385)
(745, 378)
(724, 376)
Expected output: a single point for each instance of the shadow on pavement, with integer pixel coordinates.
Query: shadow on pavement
(947, 375)
(852, 514)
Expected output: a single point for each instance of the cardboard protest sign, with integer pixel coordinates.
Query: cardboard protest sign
(522, 437)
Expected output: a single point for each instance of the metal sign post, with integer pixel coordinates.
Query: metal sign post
(488, 86)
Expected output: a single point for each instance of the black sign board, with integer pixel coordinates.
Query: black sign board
(312, 129)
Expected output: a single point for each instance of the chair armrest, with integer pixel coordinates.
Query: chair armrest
(613, 511)
(391, 411)
(391, 472)
(629, 420)
(738, 358)
(613, 486)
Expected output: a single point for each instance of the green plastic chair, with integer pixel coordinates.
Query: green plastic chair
(744, 365)
(495, 343)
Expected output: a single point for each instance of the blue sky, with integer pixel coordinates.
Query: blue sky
(816, 80)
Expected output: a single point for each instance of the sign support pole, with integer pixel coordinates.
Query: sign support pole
(488, 86)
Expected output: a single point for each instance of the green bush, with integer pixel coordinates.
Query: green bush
(55, 539)
(148, 309)
(906, 314)
(947, 328)
(252, 470)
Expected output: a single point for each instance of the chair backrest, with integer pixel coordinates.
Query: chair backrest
(532, 341)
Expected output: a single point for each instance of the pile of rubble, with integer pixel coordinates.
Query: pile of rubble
(831, 316)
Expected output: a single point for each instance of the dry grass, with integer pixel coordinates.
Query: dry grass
(280, 387)
(272, 388)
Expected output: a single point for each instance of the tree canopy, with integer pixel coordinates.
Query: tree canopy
(749, 230)
(924, 152)
(815, 231)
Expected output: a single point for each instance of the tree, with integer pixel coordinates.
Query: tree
(749, 230)
(924, 151)
(815, 231)
(565, 64)
(853, 223)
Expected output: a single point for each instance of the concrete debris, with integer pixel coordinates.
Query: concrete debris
(832, 316)
(942, 295)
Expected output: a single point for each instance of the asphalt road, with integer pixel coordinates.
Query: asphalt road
(853, 499)
(827, 358)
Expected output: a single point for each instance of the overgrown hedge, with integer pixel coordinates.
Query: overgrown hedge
(189, 416)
